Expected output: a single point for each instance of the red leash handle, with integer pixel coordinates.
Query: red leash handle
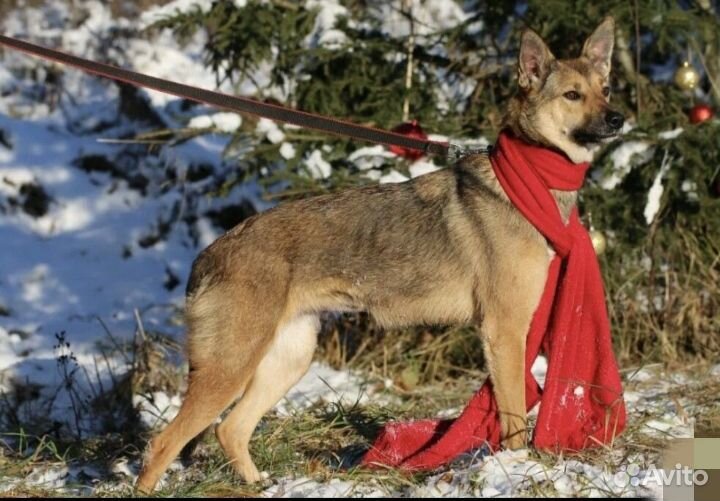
(234, 103)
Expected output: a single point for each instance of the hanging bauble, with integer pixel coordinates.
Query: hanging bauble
(686, 77)
(599, 242)
(700, 113)
(409, 129)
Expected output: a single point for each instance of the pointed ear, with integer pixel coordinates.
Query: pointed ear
(599, 46)
(534, 60)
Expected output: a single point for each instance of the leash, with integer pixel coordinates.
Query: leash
(241, 104)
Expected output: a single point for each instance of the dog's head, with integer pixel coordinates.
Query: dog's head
(564, 103)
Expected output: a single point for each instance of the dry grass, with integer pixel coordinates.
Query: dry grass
(664, 301)
(409, 357)
(320, 442)
(317, 443)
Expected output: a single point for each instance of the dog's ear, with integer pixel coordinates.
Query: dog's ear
(599, 46)
(534, 60)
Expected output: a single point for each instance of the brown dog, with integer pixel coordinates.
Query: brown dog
(444, 248)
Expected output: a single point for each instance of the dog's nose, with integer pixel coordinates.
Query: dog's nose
(614, 119)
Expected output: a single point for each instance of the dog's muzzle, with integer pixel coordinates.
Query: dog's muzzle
(602, 128)
(614, 120)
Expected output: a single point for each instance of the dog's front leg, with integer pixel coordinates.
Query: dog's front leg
(504, 337)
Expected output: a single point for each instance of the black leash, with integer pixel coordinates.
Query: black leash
(239, 104)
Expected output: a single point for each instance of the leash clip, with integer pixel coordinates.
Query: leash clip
(455, 151)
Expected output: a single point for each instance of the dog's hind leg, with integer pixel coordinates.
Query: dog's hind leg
(206, 397)
(287, 360)
(226, 342)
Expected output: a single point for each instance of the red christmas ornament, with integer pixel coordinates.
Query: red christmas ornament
(700, 113)
(410, 129)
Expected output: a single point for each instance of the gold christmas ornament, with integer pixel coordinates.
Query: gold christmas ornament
(686, 77)
(599, 242)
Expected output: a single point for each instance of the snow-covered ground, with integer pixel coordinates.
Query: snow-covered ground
(97, 238)
(654, 411)
(91, 231)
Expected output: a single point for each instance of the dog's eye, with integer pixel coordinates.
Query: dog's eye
(606, 91)
(572, 95)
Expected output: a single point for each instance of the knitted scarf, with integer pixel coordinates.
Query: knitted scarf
(581, 404)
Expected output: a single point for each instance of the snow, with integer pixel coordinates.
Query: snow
(668, 426)
(504, 474)
(270, 130)
(79, 267)
(643, 374)
(514, 474)
(421, 167)
(656, 190)
(393, 177)
(430, 15)
(630, 154)
(156, 409)
(373, 174)
(62, 269)
(320, 385)
(323, 384)
(623, 161)
(287, 151)
(159, 12)
(370, 157)
(323, 33)
(308, 488)
(690, 187)
(539, 370)
(671, 134)
(223, 122)
(317, 166)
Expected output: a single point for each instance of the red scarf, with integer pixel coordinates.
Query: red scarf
(581, 404)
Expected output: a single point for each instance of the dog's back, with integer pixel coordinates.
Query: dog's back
(409, 253)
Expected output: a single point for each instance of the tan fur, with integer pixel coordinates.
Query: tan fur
(445, 248)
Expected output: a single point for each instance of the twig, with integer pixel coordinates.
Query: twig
(637, 58)
(624, 55)
(141, 329)
(110, 369)
(131, 141)
(114, 341)
(713, 83)
(407, 11)
(286, 4)
(97, 375)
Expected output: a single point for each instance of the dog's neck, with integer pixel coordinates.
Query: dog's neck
(566, 202)
(517, 122)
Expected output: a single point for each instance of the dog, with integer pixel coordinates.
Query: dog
(444, 248)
